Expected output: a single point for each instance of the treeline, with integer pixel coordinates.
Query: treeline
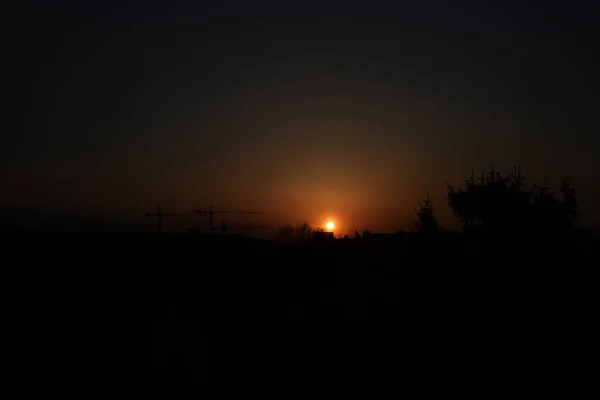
(496, 204)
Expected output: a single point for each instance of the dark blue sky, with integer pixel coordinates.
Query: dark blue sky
(350, 111)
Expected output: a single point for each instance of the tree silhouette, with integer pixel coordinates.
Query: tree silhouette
(516, 179)
(295, 234)
(569, 201)
(498, 204)
(549, 212)
(426, 222)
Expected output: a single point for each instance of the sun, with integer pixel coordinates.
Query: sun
(330, 225)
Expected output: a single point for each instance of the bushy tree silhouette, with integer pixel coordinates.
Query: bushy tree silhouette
(426, 222)
(498, 204)
(569, 203)
(295, 234)
(546, 208)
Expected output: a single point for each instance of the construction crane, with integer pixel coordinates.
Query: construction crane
(159, 214)
(211, 212)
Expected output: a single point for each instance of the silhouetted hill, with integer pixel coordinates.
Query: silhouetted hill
(211, 298)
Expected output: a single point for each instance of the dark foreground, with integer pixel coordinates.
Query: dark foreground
(206, 309)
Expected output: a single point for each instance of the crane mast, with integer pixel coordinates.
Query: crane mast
(159, 214)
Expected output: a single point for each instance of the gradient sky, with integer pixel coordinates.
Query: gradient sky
(307, 111)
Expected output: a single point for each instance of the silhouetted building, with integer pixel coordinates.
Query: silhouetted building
(320, 236)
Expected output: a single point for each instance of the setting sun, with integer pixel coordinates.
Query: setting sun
(330, 225)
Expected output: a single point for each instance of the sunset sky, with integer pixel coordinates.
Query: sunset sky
(350, 112)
